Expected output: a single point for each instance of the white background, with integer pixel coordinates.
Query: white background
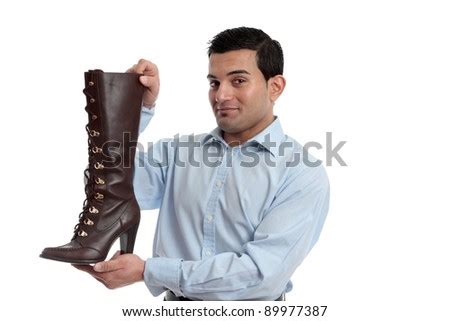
(374, 73)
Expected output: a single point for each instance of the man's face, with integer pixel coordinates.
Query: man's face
(238, 92)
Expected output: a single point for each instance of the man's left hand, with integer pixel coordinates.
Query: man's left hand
(120, 270)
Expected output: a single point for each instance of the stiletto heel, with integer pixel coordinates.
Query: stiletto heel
(127, 239)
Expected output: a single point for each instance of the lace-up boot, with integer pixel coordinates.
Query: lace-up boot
(110, 210)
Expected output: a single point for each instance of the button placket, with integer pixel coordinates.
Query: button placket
(209, 245)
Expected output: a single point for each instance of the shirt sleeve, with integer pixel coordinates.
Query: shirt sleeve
(262, 269)
(150, 173)
(147, 114)
(150, 168)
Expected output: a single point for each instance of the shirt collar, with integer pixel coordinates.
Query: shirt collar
(270, 138)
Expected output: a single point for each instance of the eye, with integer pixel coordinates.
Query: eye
(213, 84)
(239, 81)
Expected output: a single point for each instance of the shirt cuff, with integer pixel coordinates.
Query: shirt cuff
(148, 110)
(161, 274)
(146, 116)
(149, 107)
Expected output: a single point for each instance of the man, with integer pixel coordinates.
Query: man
(238, 211)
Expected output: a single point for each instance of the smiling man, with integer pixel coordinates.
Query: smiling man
(241, 96)
(237, 227)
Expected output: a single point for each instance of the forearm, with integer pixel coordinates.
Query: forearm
(258, 273)
(226, 276)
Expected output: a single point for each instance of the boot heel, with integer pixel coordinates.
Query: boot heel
(127, 239)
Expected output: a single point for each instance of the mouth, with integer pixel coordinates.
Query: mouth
(226, 108)
(226, 111)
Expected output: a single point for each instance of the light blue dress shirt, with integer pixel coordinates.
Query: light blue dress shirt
(234, 222)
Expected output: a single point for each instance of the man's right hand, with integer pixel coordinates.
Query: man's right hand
(150, 80)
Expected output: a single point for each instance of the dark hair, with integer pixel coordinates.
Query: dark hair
(269, 55)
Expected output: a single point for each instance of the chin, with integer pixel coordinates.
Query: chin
(226, 126)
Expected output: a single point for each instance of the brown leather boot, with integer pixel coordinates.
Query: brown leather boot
(110, 209)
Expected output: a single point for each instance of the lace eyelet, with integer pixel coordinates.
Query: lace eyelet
(96, 150)
(91, 83)
(98, 166)
(88, 222)
(99, 196)
(93, 210)
(99, 181)
(94, 133)
(92, 100)
(82, 233)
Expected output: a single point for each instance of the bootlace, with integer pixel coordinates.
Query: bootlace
(86, 217)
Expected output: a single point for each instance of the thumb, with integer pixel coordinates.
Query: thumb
(107, 266)
(145, 80)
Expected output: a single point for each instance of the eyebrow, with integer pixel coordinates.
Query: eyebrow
(239, 71)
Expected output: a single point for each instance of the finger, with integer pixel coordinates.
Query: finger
(146, 67)
(132, 69)
(107, 266)
(148, 81)
(84, 267)
(89, 269)
(101, 280)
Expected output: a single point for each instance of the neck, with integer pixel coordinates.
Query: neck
(234, 139)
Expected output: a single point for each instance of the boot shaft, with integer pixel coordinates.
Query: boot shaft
(115, 99)
(114, 108)
(113, 105)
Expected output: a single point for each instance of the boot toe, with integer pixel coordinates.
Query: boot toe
(72, 252)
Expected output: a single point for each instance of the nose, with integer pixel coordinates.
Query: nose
(224, 93)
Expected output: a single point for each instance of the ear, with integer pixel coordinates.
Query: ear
(276, 86)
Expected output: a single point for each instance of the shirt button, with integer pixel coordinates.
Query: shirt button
(218, 183)
(208, 253)
(209, 218)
